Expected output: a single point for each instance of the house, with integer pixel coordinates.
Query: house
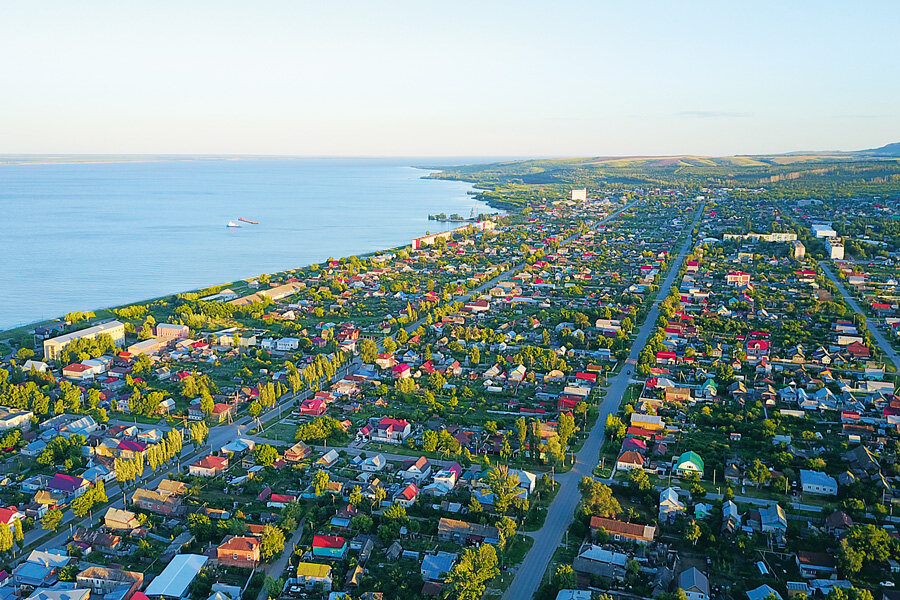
(329, 546)
(61, 590)
(69, 486)
(816, 565)
(689, 462)
(388, 431)
(311, 575)
(763, 592)
(208, 466)
(104, 580)
(435, 567)
(401, 371)
(595, 560)
(373, 464)
(837, 523)
(116, 518)
(462, 532)
(407, 496)
(816, 482)
(40, 568)
(623, 531)
(297, 452)
(9, 515)
(416, 470)
(156, 502)
(105, 543)
(177, 577)
(12, 418)
(694, 583)
(738, 278)
(313, 406)
(329, 459)
(239, 551)
(629, 460)
(446, 478)
(669, 505)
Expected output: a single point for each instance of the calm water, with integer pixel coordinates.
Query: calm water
(87, 236)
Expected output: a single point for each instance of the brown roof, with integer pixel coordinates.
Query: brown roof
(240, 544)
(631, 457)
(630, 530)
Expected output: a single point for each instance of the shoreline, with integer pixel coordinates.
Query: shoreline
(8, 333)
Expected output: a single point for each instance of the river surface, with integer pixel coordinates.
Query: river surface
(78, 237)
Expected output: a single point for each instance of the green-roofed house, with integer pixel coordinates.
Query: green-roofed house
(689, 462)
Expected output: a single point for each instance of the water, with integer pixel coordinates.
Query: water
(88, 236)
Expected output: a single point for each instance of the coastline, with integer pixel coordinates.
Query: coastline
(7, 333)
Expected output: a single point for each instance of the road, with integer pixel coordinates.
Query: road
(883, 343)
(562, 509)
(275, 569)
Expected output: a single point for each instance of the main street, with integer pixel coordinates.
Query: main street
(561, 511)
(883, 343)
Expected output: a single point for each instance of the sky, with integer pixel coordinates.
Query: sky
(414, 78)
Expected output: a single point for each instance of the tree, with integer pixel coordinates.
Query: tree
(758, 472)
(564, 578)
(199, 432)
(429, 441)
(18, 534)
(638, 479)
(51, 519)
(361, 523)
(503, 486)
(471, 573)
(207, 404)
(273, 586)
(320, 482)
(368, 351)
(692, 532)
(355, 496)
(271, 543)
(395, 512)
(565, 428)
(265, 455)
(863, 544)
(597, 499)
(507, 529)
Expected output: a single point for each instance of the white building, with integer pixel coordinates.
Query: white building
(288, 343)
(579, 195)
(823, 230)
(114, 329)
(835, 248)
(816, 482)
(169, 331)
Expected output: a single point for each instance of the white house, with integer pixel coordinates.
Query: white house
(816, 482)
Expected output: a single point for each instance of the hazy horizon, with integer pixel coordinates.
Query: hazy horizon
(404, 79)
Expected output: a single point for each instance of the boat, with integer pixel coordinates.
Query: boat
(232, 224)
(248, 221)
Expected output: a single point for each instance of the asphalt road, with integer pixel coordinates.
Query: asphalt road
(883, 343)
(561, 511)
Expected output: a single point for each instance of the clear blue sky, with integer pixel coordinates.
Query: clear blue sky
(447, 78)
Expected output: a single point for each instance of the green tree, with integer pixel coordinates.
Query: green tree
(320, 482)
(51, 519)
(368, 351)
(564, 578)
(265, 455)
(504, 486)
(597, 499)
(271, 542)
(470, 575)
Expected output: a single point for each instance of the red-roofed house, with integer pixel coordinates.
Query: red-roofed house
(239, 551)
(313, 406)
(208, 466)
(329, 546)
(390, 431)
(129, 449)
(401, 371)
(407, 496)
(629, 460)
(10, 515)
